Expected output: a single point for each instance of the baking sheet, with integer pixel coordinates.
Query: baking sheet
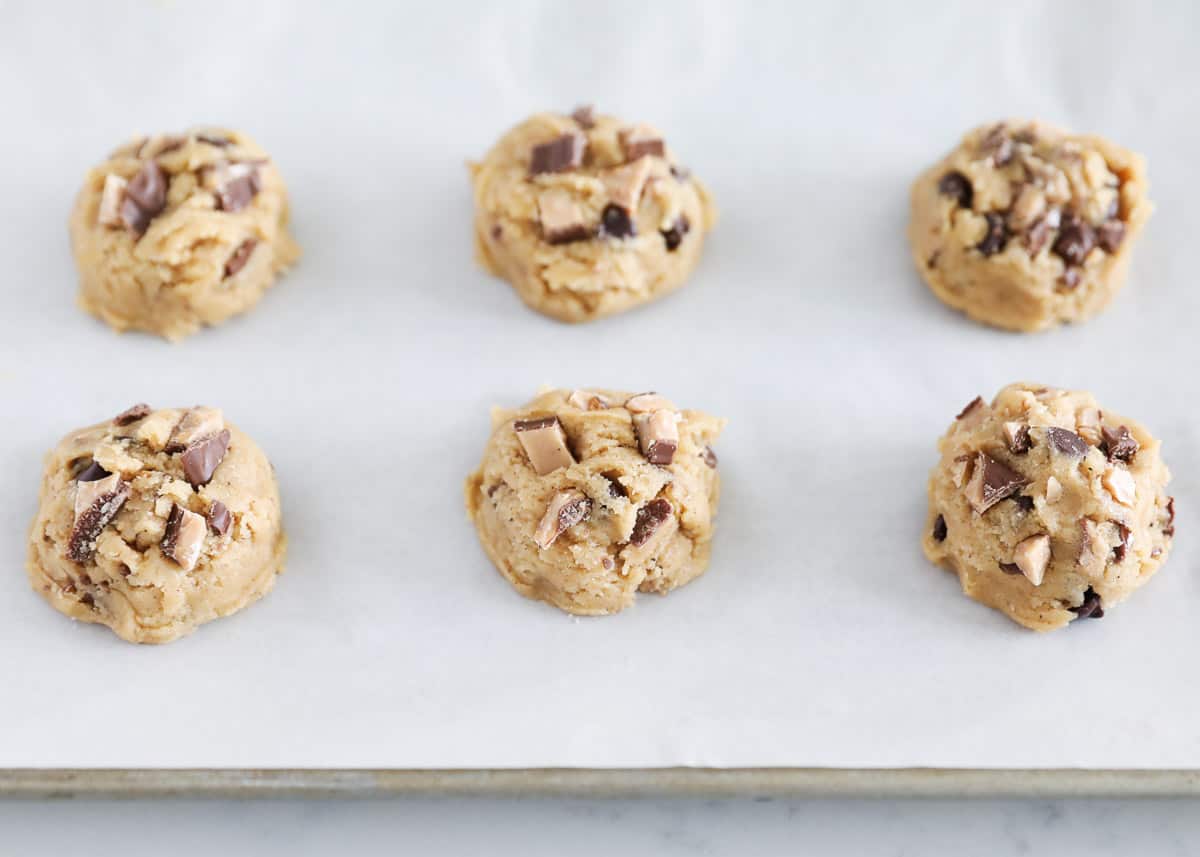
(820, 637)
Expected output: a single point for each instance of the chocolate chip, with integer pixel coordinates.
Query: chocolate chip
(132, 415)
(92, 473)
(649, 518)
(615, 222)
(1075, 240)
(1122, 547)
(1091, 608)
(201, 459)
(145, 197)
(1119, 444)
(219, 519)
(184, 537)
(1019, 440)
(971, 405)
(709, 457)
(585, 116)
(939, 529)
(545, 444)
(1169, 529)
(1110, 234)
(240, 257)
(560, 154)
(565, 510)
(87, 600)
(674, 236)
(1010, 568)
(997, 234)
(998, 145)
(562, 217)
(1037, 235)
(641, 141)
(958, 187)
(91, 517)
(1024, 502)
(1066, 442)
(240, 185)
(615, 488)
(991, 481)
(1069, 279)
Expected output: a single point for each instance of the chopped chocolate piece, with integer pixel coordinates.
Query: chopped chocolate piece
(709, 457)
(236, 185)
(214, 140)
(996, 236)
(240, 257)
(96, 504)
(1069, 279)
(1169, 529)
(219, 519)
(998, 146)
(184, 537)
(1017, 436)
(1091, 608)
(562, 218)
(197, 423)
(991, 482)
(132, 415)
(585, 116)
(626, 183)
(615, 222)
(586, 400)
(1032, 556)
(202, 458)
(649, 518)
(939, 529)
(658, 435)
(958, 187)
(1037, 235)
(559, 155)
(1119, 444)
(110, 201)
(1122, 548)
(1118, 482)
(615, 488)
(1110, 234)
(91, 473)
(545, 444)
(1024, 502)
(645, 403)
(1010, 568)
(674, 236)
(1076, 238)
(970, 406)
(145, 197)
(88, 600)
(639, 141)
(1066, 442)
(566, 509)
(1087, 425)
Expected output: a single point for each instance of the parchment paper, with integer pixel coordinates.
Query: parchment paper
(820, 635)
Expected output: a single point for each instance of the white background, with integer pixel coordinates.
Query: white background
(820, 636)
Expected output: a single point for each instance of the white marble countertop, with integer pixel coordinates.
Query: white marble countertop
(530, 828)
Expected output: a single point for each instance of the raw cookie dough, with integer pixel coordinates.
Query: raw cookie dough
(173, 232)
(587, 497)
(1024, 226)
(587, 215)
(1048, 508)
(156, 522)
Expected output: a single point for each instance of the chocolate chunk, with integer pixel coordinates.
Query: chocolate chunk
(562, 218)
(1121, 550)
(1119, 444)
(1039, 233)
(997, 145)
(615, 222)
(559, 155)
(197, 423)
(184, 537)
(96, 504)
(970, 406)
(649, 518)
(237, 185)
(939, 529)
(1091, 608)
(1024, 502)
(201, 459)
(240, 257)
(586, 400)
(991, 481)
(1031, 557)
(958, 187)
(1110, 234)
(91, 473)
(1069, 279)
(709, 457)
(615, 488)
(997, 234)
(1066, 442)
(1010, 568)
(585, 116)
(1017, 436)
(219, 519)
(640, 141)
(674, 236)
(1076, 238)
(145, 197)
(565, 510)
(132, 415)
(1169, 529)
(658, 435)
(545, 444)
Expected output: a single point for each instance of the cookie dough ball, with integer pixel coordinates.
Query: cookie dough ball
(173, 232)
(1024, 226)
(587, 215)
(156, 522)
(587, 497)
(1048, 508)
